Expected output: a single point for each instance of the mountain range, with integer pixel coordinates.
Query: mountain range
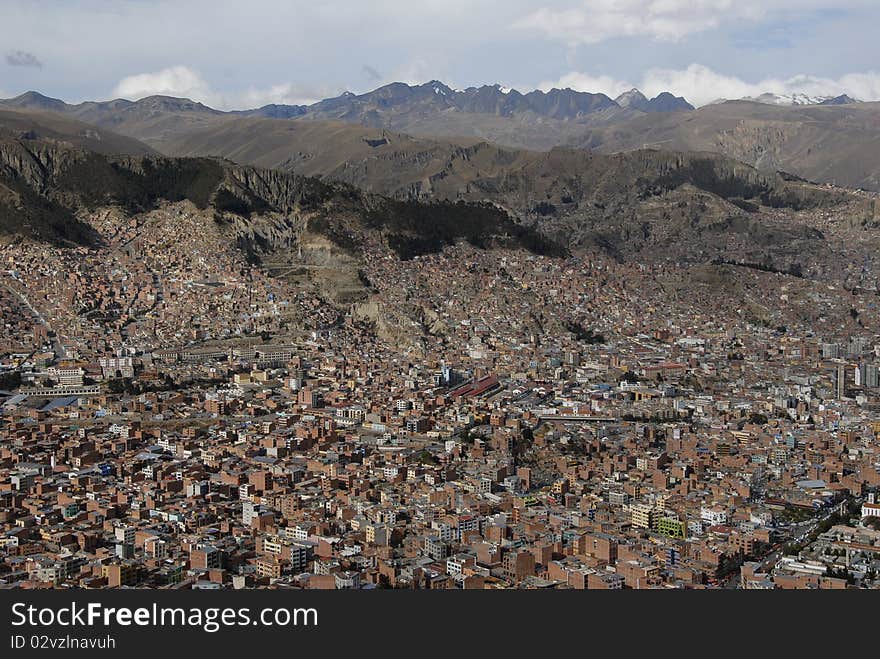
(358, 186)
(401, 99)
(592, 185)
(835, 141)
(534, 120)
(663, 102)
(384, 106)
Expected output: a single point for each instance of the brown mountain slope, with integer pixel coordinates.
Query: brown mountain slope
(49, 126)
(154, 119)
(44, 186)
(644, 204)
(527, 130)
(832, 144)
(322, 148)
(829, 144)
(406, 167)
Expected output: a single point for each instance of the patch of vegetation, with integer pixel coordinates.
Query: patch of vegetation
(710, 175)
(41, 218)
(584, 334)
(10, 380)
(138, 184)
(544, 209)
(747, 206)
(227, 202)
(413, 229)
(841, 573)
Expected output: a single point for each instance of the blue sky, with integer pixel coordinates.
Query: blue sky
(245, 54)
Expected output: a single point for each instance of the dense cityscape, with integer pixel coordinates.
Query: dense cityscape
(174, 417)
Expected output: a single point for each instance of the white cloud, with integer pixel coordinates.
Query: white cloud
(664, 20)
(282, 94)
(173, 81)
(701, 85)
(416, 71)
(185, 82)
(584, 82)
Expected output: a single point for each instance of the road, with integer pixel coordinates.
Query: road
(802, 531)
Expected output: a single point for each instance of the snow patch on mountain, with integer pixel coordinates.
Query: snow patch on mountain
(770, 98)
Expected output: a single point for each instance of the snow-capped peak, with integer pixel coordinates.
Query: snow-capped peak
(632, 98)
(439, 88)
(770, 98)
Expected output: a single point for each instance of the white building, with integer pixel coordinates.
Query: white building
(713, 515)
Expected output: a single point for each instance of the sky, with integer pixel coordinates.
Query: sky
(247, 53)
